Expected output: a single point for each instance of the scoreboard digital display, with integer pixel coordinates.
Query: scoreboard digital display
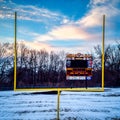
(79, 67)
(76, 63)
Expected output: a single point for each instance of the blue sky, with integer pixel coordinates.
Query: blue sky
(70, 25)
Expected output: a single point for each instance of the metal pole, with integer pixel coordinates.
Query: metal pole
(86, 82)
(58, 105)
(103, 61)
(15, 52)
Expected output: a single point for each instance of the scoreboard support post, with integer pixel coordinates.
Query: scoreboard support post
(86, 83)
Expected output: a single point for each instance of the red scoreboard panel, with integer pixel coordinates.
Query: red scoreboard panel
(78, 66)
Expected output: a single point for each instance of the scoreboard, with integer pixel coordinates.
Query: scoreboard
(78, 66)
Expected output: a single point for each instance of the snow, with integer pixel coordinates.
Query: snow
(73, 105)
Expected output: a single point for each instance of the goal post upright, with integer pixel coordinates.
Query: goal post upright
(103, 54)
(15, 50)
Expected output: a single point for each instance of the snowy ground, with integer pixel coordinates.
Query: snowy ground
(73, 105)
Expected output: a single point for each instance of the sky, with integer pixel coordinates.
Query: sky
(69, 25)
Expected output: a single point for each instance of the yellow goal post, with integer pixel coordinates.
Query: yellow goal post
(101, 89)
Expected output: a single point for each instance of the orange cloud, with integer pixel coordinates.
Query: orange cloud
(65, 32)
(37, 45)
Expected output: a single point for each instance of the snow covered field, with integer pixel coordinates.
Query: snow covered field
(73, 105)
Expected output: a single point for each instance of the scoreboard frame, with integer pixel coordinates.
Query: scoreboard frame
(78, 66)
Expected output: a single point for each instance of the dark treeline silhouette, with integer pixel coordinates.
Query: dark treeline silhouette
(44, 69)
(112, 64)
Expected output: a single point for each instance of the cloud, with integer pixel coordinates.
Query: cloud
(98, 8)
(37, 45)
(65, 32)
(41, 45)
(30, 13)
(66, 21)
(22, 31)
(97, 2)
(6, 39)
(81, 29)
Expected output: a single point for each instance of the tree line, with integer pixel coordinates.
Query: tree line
(39, 68)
